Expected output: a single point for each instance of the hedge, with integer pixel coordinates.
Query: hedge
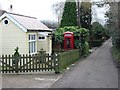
(67, 58)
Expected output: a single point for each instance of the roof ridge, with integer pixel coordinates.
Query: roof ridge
(21, 15)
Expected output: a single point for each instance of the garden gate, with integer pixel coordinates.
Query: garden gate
(28, 63)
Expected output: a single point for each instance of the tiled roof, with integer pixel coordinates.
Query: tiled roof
(30, 23)
(2, 12)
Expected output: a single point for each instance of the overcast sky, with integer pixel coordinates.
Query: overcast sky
(99, 13)
(42, 9)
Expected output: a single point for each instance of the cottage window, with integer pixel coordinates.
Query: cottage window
(41, 38)
(32, 43)
(5, 21)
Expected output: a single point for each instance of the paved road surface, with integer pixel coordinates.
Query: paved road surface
(35, 80)
(96, 71)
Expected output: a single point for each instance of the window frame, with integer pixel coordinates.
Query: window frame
(41, 38)
(32, 43)
(4, 21)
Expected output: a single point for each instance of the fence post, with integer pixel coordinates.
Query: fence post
(56, 63)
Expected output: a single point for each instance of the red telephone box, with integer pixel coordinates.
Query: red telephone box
(68, 40)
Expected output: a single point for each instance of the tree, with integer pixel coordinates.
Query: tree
(58, 10)
(103, 6)
(114, 23)
(85, 15)
(97, 31)
(81, 12)
(69, 17)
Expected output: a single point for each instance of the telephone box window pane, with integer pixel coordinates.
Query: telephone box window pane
(68, 42)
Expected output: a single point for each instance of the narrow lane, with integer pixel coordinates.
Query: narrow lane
(95, 71)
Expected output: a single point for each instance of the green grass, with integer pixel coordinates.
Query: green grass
(116, 55)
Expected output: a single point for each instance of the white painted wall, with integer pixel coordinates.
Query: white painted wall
(12, 37)
(46, 44)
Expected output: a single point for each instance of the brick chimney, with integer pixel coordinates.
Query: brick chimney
(11, 8)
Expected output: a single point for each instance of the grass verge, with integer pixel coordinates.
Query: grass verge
(116, 56)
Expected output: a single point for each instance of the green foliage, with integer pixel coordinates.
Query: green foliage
(58, 35)
(84, 34)
(85, 15)
(67, 58)
(60, 31)
(78, 32)
(97, 31)
(113, 23)
(98, 34)
(77, 43)
(84, 41)
(16, 54)
(116, 55)
(116, 42)
(69, 17)
(95, 43)
(85, 48)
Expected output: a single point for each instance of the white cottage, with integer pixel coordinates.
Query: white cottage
(25, 32)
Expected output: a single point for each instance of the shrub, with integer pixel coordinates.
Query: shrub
(78, 32)
(67, 58)
(85, 49)
(116, 55)
(95, 43)
(97, 31)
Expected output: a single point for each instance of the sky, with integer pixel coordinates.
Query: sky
(99, 13)
(43, 10)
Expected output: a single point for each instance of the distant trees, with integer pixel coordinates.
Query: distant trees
(50, 24)
(97, 31)
(85, 15)
(98, 35)
(58, 10)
